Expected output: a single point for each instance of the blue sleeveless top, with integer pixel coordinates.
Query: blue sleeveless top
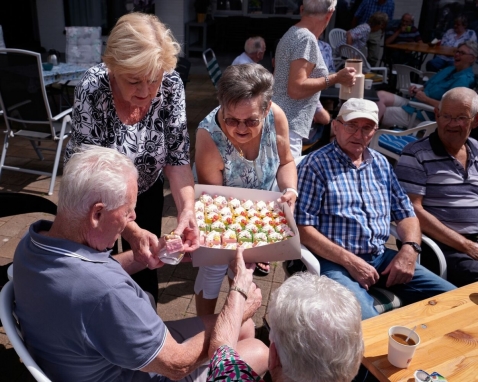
(239, 171)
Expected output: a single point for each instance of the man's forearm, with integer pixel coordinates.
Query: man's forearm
(322, 246)
(129, 264)
(408, 229)
(434, 228)
(181, 182)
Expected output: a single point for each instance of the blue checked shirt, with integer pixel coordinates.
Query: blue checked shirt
(350, 206)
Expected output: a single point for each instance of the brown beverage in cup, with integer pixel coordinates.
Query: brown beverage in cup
(400, 338)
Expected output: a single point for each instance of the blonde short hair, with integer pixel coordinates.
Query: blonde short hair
(141, 44)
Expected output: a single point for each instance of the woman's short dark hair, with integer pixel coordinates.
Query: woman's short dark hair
(244, 82)
(463, 20)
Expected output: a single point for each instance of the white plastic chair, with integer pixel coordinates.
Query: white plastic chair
(337, 37)
(404, 77)
(348, 51)
(391, 142)
(12, 330)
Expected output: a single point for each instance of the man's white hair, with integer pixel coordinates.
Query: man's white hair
(316, 326)
(461, 94)
(94, 174)
(318, 7)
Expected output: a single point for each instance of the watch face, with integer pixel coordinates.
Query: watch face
(415, 246)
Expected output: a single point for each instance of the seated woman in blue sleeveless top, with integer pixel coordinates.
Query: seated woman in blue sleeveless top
(242, 143)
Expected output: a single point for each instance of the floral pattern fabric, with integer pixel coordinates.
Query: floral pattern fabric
(228, 366)
(239, 171)
(450, 38)
(159, 139)
(327, 55)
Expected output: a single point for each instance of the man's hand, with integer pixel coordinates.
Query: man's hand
(402, 268)
(144, 244)
(472, 249)
(363, 273)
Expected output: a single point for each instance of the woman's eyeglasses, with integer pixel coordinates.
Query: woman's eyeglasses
(462, 53)
(233, 122)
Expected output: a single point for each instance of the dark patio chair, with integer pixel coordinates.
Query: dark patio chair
(26, 109)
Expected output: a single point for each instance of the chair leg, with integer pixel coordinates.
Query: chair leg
(37, 150)
(4, 153)
(55, 165)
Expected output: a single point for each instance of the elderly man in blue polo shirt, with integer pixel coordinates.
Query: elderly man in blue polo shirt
(348, 194)
(440, 175)
(83, 317)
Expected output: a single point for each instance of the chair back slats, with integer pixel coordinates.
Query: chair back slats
(21, 88)
(404, 79)
(212, 66)
(337, 36)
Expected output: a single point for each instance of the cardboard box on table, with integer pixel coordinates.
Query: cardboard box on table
(285, 250)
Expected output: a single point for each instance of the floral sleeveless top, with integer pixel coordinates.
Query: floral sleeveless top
(239, 171)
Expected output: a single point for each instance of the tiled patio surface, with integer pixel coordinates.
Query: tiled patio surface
(176, 282)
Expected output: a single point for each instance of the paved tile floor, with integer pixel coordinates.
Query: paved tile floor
(176, 282)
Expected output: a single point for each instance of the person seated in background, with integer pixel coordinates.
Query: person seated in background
(358, 36)
(405, 32)
(254, 49)
(375, 40)
(327, 55)
(394, 110)
(440, 174)
(453, 37)
(82, 316)
(315, 330)
(348, 195)
(242, 143)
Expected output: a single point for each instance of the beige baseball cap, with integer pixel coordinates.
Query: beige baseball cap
(358, 108)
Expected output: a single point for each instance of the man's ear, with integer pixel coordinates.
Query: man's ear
(274, 360)
(437, 114)
(96, 213)
(474, 122)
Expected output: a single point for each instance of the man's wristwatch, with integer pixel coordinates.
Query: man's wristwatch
(415, 246)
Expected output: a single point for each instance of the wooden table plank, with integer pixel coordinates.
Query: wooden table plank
(448, 328)
(421, 47)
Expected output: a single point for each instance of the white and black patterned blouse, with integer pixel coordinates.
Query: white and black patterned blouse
(161, 138)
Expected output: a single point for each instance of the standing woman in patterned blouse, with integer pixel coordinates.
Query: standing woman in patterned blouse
(134, 102)
(242, 143)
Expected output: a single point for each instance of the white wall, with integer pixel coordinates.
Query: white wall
(174, 14)
(51, 22)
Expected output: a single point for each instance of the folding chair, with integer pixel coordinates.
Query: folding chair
(212, 66)
(26, 109)
(182, 67)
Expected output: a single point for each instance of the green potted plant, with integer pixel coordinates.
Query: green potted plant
(201, 7)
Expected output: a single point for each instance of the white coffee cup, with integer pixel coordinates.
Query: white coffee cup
(399, 354)
(368, 84)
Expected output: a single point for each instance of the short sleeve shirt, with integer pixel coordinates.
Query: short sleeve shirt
(450, 192)
(351, 206)
(297, 43)
(360, 36)
(83, 316)
(159, 139)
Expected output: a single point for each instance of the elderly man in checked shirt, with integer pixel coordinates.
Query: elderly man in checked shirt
(348, 194)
